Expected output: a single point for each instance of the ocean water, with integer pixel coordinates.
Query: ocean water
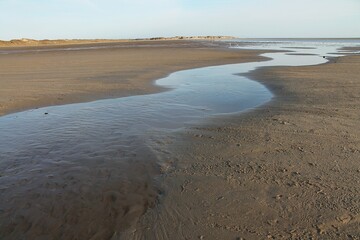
(318, 46)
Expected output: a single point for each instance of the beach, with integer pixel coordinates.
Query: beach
(288, 169)
(32, 77)
(76, 180)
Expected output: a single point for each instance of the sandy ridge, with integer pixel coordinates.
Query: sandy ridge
(23, 42)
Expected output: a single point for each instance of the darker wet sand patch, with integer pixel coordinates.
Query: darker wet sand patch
(80, 196)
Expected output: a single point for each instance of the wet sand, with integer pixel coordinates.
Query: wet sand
(287, 170)
(54, 77)
(85, 189)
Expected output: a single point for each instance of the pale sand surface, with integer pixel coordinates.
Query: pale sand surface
(287, 170)
(53, 77)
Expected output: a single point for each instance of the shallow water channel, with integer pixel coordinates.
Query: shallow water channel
(80, 169)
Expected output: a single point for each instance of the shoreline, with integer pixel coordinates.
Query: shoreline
(287, 169)
(34, 80)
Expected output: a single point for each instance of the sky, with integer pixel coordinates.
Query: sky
(114, 19)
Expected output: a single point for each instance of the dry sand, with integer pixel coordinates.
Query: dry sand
(43, 76)
(287, 170)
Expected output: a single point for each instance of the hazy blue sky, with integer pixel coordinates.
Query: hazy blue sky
(148, 18)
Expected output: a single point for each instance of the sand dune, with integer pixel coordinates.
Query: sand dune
(23, 42)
